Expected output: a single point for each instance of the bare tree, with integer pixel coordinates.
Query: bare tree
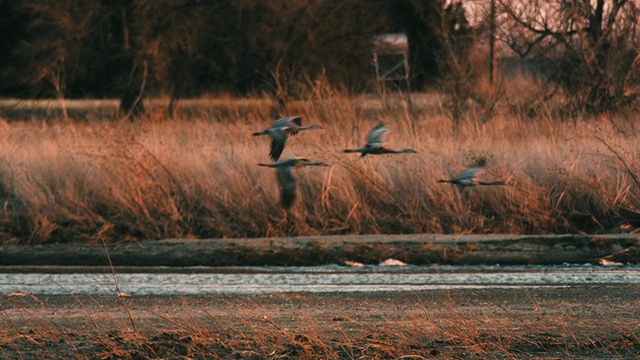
(180, 49)
(299, 40)
(458, 73)
(593, 42)
(63, 40)
(163, 41)
(140, 38)
(50, 59)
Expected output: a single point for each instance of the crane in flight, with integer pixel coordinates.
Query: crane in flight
(375, 145)
(279, 132)
(286, 181)
(471, 176)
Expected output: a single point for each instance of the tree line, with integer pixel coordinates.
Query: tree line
(129, 49)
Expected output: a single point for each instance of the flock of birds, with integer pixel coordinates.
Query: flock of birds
(292, 125)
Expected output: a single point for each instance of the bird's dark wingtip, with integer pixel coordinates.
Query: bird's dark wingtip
(286, 200)
(276, 150)
(274, 155)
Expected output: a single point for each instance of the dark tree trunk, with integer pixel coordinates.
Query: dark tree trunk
(131, 102)
(173, 102)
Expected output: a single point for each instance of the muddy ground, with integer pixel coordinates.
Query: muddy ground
(580, 322)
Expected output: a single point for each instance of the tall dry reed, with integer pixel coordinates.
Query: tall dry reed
(195, 175)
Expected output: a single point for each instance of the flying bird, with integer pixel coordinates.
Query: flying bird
(286, 181)
(280, 130)
(375, 145)
(471, 176)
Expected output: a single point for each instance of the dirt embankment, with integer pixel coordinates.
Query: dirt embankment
(320, 250)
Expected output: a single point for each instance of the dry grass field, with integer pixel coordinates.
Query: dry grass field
(194, 175)
(585, 322)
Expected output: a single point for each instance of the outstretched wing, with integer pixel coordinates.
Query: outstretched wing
(293, 122)
(287, 186)
(296, 120)
(469, 176)
(374, 138)
(280, 123)
(288, 121)
(278, 139)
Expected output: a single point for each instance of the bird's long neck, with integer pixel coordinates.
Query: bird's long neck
(491, 183)
(387, 150)
(360, 150)
(313, 163)
(263, 132)
(295, 128)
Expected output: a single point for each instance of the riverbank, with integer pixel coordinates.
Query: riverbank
(322, 250)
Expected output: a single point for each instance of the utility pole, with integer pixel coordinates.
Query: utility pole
(492, 40)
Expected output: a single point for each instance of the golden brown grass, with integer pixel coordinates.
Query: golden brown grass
(519, 324)
(195, 175)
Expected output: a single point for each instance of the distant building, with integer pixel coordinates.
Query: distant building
(391, 57)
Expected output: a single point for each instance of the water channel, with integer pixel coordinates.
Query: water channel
(330, 278)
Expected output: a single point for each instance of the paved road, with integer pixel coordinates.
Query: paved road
(319, 279)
